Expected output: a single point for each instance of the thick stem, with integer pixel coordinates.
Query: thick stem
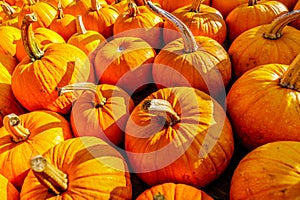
(48, 175)
(291, 78)
(95, 5)
(196, 5)
(80, 26)
(161, 108)
(31, 47)
(190, 44)
(159, 196)
(278, 24)
(12, 124)
(99, 99)
(133, 10)
(252, 2)
(9, 10)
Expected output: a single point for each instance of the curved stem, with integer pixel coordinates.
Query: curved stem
(252, 2)
(80, 26)
(12, 124)
(133, 10)
(8, 10)
(196, 6)
(161, 108)
(278, 24)
(291, 78)
(48, 175)
(31, 47)
(99, 99)
(95, 5)
(190, 44)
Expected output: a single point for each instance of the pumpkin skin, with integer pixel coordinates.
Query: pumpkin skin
(225, 7)
(271, 40)
(7, 190)
(9, 62)
(9, 35)
(94, 169)
(173, 191)
(268, 172)
(261, 110)
(252, 14)
(193, 150)
(46, 130)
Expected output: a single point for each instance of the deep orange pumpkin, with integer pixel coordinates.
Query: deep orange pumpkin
(8, 190)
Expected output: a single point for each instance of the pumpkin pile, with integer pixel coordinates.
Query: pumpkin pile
(149, 99)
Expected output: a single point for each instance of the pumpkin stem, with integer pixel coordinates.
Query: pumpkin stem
(9, 10)
(95, 5)
(159, 196)
(99, 99)
(48, 175)
(60, 12)
(133, 10)
(196, 6)
(12, 124)
(161, 108)
(278, 24)
(291, 78)
(31, 47)
(190, 44)
(252, 2)
(80, 26)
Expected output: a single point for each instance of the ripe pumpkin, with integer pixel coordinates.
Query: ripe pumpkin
(36, 77)
(173, 191)
(8, 190)
(125, 62)
(139, 21)
(27, 135)
(262, 44)
(78, 168)
(225, 7)
(178, 135)
(200, 19)
(270, 171)
(252, 14)
(11, 15)
(9, 35)
(77, 7)
(198, 62)
(263, 104)
(101, 111)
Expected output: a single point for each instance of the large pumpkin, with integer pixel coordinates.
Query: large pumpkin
(36, 78)
(178, 135)
(263, 104)
(270, 171)
(8, 190)
(79, 168)
(27, 135)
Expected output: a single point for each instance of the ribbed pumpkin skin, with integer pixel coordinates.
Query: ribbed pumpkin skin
(9, 35)
(260, 110)
(270, 171)
(95, 171)
(173, 191)
(7, 190)
(193, 151)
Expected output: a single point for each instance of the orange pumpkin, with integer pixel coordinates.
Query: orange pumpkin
(77, 7)
(263, 104)
(225, 7)
(120, 5)
(55, 66)
(270, 171)
(101, 111)
(262, 44)
(173, 191)
(178, 135)
(27, 135)
(9, 35)
(139, 21)
(11, 15)
(78, 168)
(200, 19)
(8, 190)
(252, 14)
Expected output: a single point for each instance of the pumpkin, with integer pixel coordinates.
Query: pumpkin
(78, 168)
(77, 7)
(225, 7)
(37, 76)
(139, 21)
(100, 18)
(200, 19)
(8, 190)
(27, 135)
(63, 24)
(179, 135)
(269, 43)
(263, 104)
(199, 62)
(11, 18)
(255, 13)
(270, 171)
(9, 35)
(173, 191)
(101, 111)
(125, 62)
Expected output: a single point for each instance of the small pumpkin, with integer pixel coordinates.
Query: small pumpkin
(78, 168)
(269, 43)
(101, 111)
(26, 135)
(270, 171)
(8, 190)
(9, 35)
(173, 191)
(11, 18)
(263, 104)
